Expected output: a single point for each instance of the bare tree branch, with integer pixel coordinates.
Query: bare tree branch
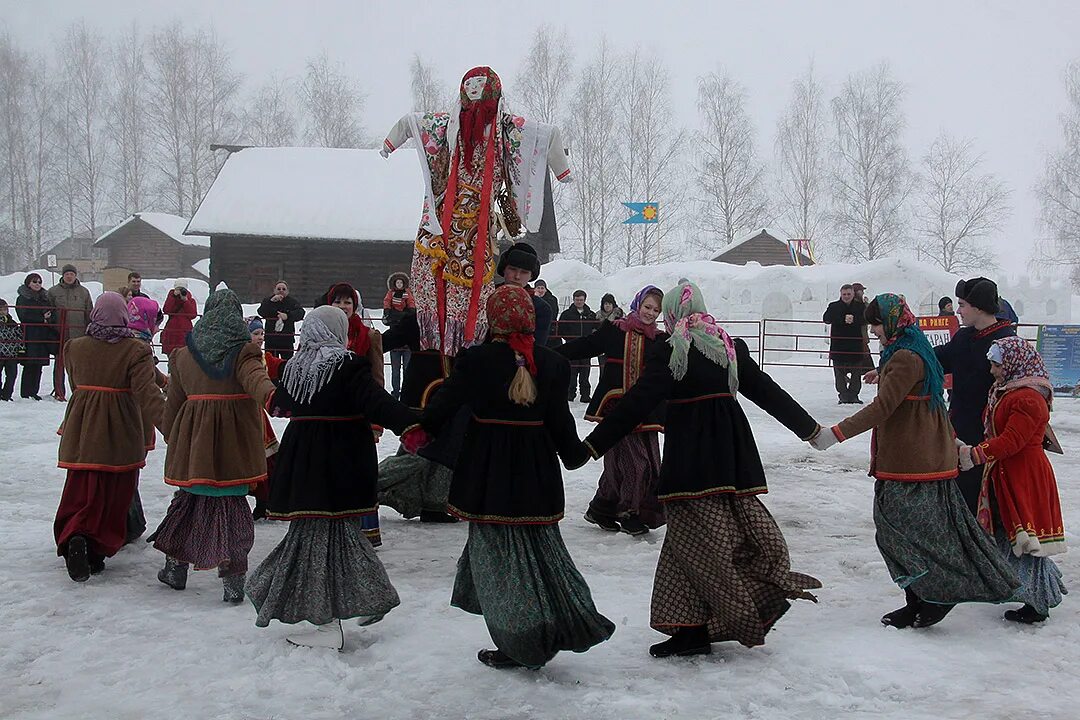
(802, 197)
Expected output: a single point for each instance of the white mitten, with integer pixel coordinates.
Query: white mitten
(824, 439)
(964, 456)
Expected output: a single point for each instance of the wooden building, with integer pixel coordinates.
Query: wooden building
(763, 249)
(78, 250)
(154, 245)
(311, 217)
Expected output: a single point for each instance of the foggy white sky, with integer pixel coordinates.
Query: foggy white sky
(991, 71)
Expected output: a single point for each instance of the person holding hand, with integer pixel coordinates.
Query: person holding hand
(281, 312)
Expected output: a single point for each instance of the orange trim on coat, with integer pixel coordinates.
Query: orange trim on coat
(837, 434)
(516, 423)
(101, 468)
(103, 388)
(917, 477)
(211, 396)
(216, 483)
(917, 397)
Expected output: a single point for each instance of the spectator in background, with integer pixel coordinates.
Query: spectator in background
(396, 303)
(846, 344)
(576, 321)
(945, 307)
(125, 292)
(281, 313)
(11, 350)
(1006, 312)
(135, 285)
(74, 303)
(609, 309)
(39, 333)
(541, 291)
(182, 310)
(519, 265)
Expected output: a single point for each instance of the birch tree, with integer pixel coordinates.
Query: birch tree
(269, 120)
(544, 80)
(802, 162)
(871, 178)
(592, 203)
(127, 125)
(730, 177)
(651, 156)
(1058, 191)
(170, 84)
(332, 105)
(959, 207)
(429, 94)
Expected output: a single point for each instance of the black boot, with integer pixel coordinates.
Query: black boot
(931, 614)
(259, 512)
(632, 525)
(78, 564)
(1027, 615)
(174, 574)
(97, 563)
(497, 659)
(685, 641)
(234, 588)
(436, 516)
(905, 616)
(603, 521)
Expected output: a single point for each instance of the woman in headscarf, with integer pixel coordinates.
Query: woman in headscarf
(626, 497)
(325, 478)
(515, 569)
(366, 342)
(143, 320)
(932, 545)
(101, 444)
(1019, 503)
(724, 571)
(213, 426)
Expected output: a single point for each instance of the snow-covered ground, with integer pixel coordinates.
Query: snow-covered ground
(125, 646)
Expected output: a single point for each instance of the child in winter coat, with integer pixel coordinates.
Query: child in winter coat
(11, 349)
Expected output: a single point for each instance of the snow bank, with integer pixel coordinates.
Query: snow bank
(321, 193)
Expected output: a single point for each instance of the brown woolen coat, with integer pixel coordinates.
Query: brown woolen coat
(912, 442)
(114, 390)
(214, 428)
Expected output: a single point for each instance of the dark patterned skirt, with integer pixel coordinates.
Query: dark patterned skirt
(724, 564)
(533, 599)
(95, 504)
(208, 532)
(1041, 584)
(932, 543)
(630, 479)
(409, 484)
(321, 570)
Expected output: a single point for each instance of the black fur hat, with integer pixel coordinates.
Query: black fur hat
(520, 255)
(979, 292)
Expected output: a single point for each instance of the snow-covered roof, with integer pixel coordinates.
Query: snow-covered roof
(318, 193)
(171, 225)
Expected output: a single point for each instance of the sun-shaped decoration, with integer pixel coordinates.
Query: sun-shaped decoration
(649, 213)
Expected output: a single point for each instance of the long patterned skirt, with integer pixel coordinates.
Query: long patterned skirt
(95, 505)
(931, 543)
(321, 570)
(409, 484)
(724, 564)
(533, 599)
(208, 532)
(630, 479)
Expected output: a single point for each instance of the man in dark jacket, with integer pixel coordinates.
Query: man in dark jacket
(576, 321)
(281, 312)
(541, 291)
(846, 345)
(965, 357)
(519, 265)
(945, 307)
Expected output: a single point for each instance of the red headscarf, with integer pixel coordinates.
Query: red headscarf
(477, 114)
(359, 335)
(512, 317)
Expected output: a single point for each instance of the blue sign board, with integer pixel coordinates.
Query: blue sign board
(1059, 346)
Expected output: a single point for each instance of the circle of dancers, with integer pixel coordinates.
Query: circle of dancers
(965, 502)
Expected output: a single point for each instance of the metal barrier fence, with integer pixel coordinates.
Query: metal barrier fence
(773, 341)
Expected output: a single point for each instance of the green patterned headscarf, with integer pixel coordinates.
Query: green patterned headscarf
(902, 333)
(690, 324)
(219, 335)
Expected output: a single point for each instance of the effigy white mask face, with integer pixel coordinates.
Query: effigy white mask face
(474, 87)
